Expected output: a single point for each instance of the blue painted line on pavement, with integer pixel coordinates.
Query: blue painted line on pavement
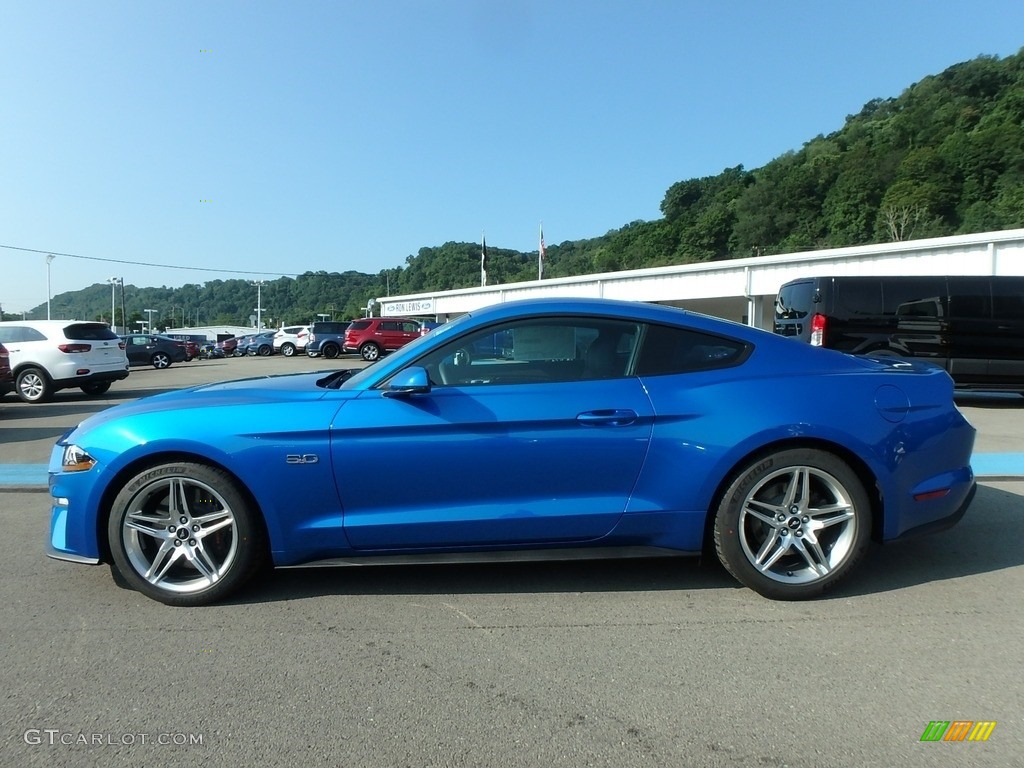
(23, 474)
(985, 465)
(998, 464)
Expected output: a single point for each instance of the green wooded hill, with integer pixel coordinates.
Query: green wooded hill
(945, 157)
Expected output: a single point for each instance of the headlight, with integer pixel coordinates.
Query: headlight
(76, 460)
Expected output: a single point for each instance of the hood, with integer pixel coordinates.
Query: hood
(290, 388)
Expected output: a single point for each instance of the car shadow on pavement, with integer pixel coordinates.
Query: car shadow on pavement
(977, 544)
(628, 575)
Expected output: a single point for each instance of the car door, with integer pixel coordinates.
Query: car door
(537, 455)
(408, 330)
(137, 349)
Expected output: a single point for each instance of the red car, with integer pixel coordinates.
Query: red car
(227, 347)
(376, 335)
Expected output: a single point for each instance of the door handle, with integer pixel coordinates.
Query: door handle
(615, 417)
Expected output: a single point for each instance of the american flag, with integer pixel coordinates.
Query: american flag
(540, 254)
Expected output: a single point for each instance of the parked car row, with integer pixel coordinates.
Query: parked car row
(369, 338)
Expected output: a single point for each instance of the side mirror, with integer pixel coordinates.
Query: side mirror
(411, 381)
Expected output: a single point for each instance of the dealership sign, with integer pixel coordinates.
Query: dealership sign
(417, 307)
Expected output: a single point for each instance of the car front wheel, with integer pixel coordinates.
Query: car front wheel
(793, 524)
(161, 360)
(184, 534)
(33, 386)
(369, 351)
(287, 350)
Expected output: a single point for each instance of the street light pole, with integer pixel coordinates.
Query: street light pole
(259, 304)
(49, 259)
(113, 302)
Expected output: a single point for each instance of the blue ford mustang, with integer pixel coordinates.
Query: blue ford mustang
(540, 429)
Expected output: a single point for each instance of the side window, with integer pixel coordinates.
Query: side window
(678, 350)
(858, 297)
(534, 351)
(918, 297)
(387, 325)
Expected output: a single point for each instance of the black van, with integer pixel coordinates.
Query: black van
(971, 326)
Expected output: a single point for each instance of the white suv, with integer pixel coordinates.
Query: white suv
(292, 339)
(47, 355)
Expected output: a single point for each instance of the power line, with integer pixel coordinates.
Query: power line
(147, 263)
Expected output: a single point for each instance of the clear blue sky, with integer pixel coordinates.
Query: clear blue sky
(283, 137)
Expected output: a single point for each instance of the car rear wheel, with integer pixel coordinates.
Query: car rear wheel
(184, 534)
(33, 385)
(369, 351)
(287, 350)
(161, 360)
(330, 351)
(96, 387)
(793, 524)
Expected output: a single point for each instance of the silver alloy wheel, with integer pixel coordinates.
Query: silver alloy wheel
(33, 386)
(369, 352)
(287, 350)
(797, 524)
(180, 535)
(161, 360)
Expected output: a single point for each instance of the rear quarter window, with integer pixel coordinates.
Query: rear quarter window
(668, 350)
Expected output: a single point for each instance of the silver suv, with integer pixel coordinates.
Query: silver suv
(48, 355)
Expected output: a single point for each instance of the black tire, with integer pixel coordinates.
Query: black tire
(370, 351)
(287, 349)
(184, 534)
(330, 351)
(266, 350)
(160, 360)
(793, 524)
(96, 387)
(33, 385)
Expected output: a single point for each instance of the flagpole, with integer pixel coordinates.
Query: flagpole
(483, 260)
(540, 254)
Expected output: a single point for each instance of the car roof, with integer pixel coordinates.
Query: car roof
(52, 323)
